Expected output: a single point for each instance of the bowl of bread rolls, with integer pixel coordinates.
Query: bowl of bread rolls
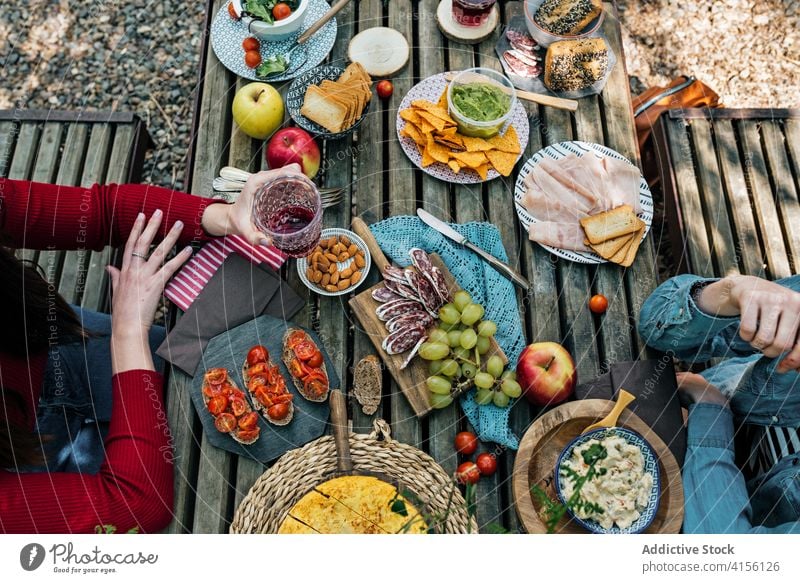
(550, 21)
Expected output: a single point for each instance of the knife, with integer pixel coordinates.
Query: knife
(450, 233)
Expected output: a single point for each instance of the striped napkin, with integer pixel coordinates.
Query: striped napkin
(187, 284)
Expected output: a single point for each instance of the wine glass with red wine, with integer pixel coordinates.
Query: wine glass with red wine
(289, 210)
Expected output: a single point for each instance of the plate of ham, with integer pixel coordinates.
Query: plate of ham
(566, 182)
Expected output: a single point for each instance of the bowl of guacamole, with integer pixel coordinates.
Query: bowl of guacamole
(480, 101)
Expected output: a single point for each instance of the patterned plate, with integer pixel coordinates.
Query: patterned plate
(297, 93)
(227, 36)
(650, 466)
(431, 89)
(302, 263)
(558, 151)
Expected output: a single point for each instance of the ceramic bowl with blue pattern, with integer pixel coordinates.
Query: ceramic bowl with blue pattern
(650, 466)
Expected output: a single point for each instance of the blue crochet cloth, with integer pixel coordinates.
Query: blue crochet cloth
(486, 286)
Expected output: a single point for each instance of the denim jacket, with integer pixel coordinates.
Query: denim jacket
(718, 500)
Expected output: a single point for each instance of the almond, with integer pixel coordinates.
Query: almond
(345, 240)
(323, 263)
(330, 242)
(326, 278)
(344, 284)
(337, 249)
(360, 261)
(310, 273)
(317, 276)
(334, 278)
(344, 256)
(332, 288)
(352, 249)
(346, 273)
(333, 269)
(355, 278)
(331, 257)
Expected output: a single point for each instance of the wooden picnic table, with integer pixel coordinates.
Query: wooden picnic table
(380, 181)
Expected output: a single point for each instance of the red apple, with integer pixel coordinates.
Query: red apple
(546, 372)
(293, 145)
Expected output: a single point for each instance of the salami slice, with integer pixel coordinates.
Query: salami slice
(392, 273)
(425, 291)
(413, 353)
(414, 317)
(521, 40)
(389, 310)
(384, 294)
(519, 67)
(402, 289)
(403, 339)
(433, 274)
(528, 58)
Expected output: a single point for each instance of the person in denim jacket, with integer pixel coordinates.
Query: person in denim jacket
(755, 325)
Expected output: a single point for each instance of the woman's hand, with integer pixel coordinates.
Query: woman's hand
(692, 388)
(136, 289)
(769, 314)
(237, 218)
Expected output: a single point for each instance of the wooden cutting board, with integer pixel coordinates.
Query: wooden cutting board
(411, 379)
(547, 437)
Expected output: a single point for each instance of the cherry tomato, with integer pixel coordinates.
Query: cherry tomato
(281, 11)
(238, 407)
(248, 420)
(316, 388)
(259, 369)
(251, 44)
(316, 360)
(216, 376)
(598, 304)
(232, 12)
(252, 59)
(295, 338)
(263, 397)
(217, 404)
(385, 89)
(225, 423)
(278, 411)
(466, 443)
(468, 473)
(248, 435)
(236, 394)
(486, 463)
(257, 354)
(211, 390)
(305, 350)
(296, 368)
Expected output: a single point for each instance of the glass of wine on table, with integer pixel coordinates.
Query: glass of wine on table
(289, 210)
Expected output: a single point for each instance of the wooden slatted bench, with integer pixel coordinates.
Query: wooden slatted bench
(73, 148)
(731, 184)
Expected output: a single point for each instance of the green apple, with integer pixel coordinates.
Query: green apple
(258, 110)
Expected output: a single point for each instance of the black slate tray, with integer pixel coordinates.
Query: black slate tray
(229, 350)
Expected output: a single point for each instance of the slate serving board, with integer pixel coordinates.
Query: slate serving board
(229, 350)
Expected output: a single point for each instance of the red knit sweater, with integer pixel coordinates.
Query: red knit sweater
(134, 487)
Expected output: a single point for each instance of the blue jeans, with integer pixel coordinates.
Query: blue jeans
(717, 498)
(75, 405)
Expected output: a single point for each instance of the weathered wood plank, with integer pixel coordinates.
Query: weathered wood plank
(8, 138)
(764, 203)
(741, 209)
(785, 191)
(22, 166)
(47, 161)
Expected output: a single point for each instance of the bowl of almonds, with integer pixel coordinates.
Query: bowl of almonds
(338, 265)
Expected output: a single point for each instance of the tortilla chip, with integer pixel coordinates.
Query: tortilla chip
(453, 145)
(476, 144)
(413, 132)
(427, 159)
(433, 109)
(451, 131)
(454, 166)
(503, 162)
(470, 159)
(437, 151)
(508, 142)
(483, 171)
(435, 121)
(443, 99)
(410, 115)
(425, 126)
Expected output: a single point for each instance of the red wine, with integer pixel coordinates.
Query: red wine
(472, 12)
(290, 219)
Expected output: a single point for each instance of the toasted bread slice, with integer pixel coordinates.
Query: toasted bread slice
(567, 17)
(610, 247)
(633, 248)
(320, 108)
(620, 255)
(610, 225)
(368, 383)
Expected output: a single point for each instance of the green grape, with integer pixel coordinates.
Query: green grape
(495, 366)
(449, 314)
(469, 339)
(435, 367)
(449, 367)
(462, 353)
(454, 338)
(487, 328)
(484, 344)
(438, 385)
(469, 370)
(438, 335)
(461, 300)
(483, 380)
(500, 399)
(459, 372)
(471, 314)
(509, 374)
(433, 350)
(440, 401)
(511, 388)
(483, 396)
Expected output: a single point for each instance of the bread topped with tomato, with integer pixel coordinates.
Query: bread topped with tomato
(228, 405)
(267, 386)
(306, 364)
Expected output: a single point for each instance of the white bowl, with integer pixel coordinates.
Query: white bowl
(278, 30)
(302, 263)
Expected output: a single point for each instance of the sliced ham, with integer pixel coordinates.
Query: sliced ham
(622, 182)
(548, 207)
(561, 235)
(574, 188)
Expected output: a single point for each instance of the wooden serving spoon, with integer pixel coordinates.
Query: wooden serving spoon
(556, 102)
(623, 400)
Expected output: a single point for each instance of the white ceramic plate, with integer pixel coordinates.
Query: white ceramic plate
(431, 89)
(580, 149)
(227, 36)
(302, 263)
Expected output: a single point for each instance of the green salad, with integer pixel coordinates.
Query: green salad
(263, 9)
(481, 101)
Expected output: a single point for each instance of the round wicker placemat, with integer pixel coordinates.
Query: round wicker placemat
(297, 471)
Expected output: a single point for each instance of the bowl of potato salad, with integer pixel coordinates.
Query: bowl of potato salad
(609, 481)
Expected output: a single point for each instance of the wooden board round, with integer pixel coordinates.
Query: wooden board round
(547, 437)
(470, 35)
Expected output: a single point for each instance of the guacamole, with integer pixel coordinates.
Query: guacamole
(481, 101)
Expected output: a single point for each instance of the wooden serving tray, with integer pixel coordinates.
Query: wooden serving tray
(547, 437)
(411, 379)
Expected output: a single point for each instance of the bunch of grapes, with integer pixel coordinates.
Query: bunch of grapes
(456, 351)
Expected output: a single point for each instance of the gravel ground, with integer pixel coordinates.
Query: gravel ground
(127, 55)
(748, 51)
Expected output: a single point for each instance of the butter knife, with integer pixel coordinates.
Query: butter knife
(446, 230)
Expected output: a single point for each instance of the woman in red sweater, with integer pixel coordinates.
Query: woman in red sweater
(63, 469)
